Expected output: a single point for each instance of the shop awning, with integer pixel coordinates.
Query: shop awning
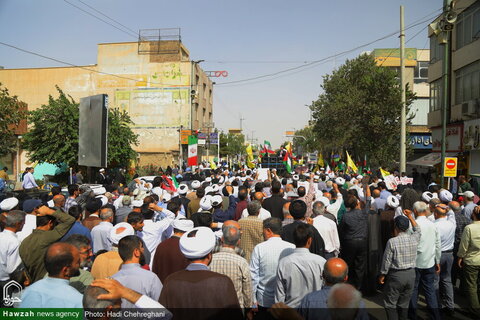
(429, 160)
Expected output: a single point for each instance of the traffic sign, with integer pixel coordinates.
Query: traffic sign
(450, 167)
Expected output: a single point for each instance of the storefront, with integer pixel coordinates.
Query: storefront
(471, 145)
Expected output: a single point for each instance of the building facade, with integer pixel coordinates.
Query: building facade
(416, 73)
(154, 81)
(463, 107)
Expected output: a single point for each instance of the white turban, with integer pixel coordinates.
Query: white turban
(8, 204)
(119, 231)
(393, 202)
(199, 245)
(184, 225)
(99, 191)
(195, 184)
(103, 199)
(445, 196)
(206, 203)
(340, 181)
(182, 189)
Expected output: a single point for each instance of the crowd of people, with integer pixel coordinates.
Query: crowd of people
(220, 243)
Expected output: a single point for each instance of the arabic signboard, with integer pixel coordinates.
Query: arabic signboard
(421, 141)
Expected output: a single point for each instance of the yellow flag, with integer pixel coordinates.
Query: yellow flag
(213, 165)
(249, 151)
(384, 173)
(351, 164)
(320, 161)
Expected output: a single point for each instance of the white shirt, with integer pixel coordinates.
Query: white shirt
(152, 231)
(29, 181)
(263, 266)
(334, 207)
(446, 227)
(28, 227)
(118, 202)
(264, 214)
(100, 236)
(329, 232)
(429, 248)
(9, 256)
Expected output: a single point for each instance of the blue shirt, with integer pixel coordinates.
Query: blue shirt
(78, 228)
(51, 293)
(314, 306)
(145, 282)
(384, 194)
(220, 215)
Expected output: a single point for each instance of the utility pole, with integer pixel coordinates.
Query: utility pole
(241, 121)
(447, 5)
(403, 116)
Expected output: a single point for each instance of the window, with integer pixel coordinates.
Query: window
(421, 72)
(436, 49)
(468, 26)
(467, 83)
(436, 95)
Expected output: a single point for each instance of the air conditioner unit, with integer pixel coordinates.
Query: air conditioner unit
(471, 108)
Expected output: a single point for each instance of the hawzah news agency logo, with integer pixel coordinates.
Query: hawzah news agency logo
(11, 293)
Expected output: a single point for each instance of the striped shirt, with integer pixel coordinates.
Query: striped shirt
(228, 263)
(70, 202)
(401, 251)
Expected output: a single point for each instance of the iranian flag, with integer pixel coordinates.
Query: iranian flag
(192, 150)
(268, 147)
(287, 159)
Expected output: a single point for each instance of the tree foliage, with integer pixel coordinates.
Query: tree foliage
(120, 138)
(12, 111)
(231, 144)
(359, 111)
(53, 134)
(306, 140)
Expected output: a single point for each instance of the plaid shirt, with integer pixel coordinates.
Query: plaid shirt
(401, 251)
(229, 263)
(70, 202)
(252, 234)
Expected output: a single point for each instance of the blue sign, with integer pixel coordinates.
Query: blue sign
(421, 141)
(214, 138)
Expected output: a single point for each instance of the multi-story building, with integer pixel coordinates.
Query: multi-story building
(154, 81)
(416, 74)
(463, 107)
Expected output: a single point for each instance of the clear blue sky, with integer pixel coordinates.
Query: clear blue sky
(228, 35)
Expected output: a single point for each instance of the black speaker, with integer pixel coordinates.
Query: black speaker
(93, 129)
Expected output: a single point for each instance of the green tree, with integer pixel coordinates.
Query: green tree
(120, 138)
(231, 144)
(12, 111)
(53, 135)
(305, 140)
(359, 111)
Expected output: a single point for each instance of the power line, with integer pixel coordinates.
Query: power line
(326, 58)
(86, 4)
(81, 67)
(96, 17)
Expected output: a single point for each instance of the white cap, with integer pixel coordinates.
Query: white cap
(393, 202)
(99, 191)
(119, 231)
(206, 203)
(166, 197)
(340, 181)
(198, 245)
(101, 170)
(468, 194)
(359, 177)
(182, 189)
(216, 200)
(8, 204)
(184, 225)
(137, 203)
(103, 199)
(445, 196)
(195, 184)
